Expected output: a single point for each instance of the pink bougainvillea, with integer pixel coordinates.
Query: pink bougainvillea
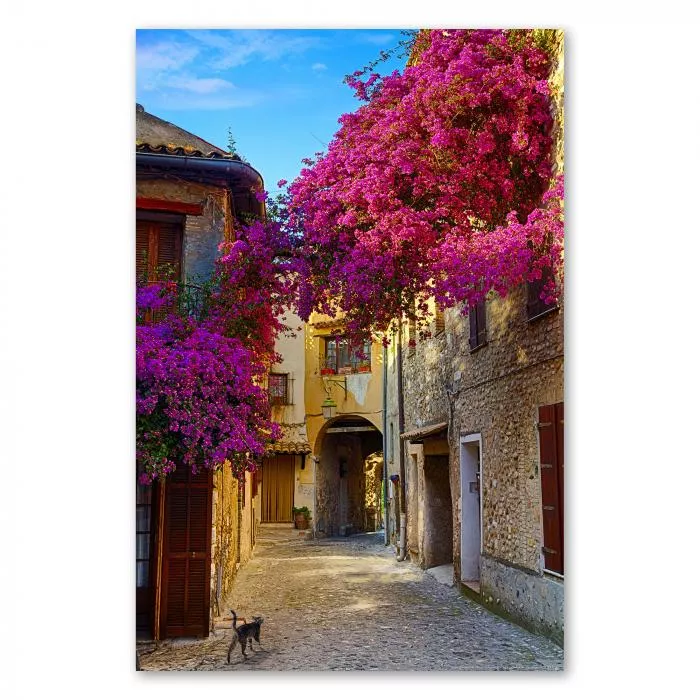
(199, 377)
(440, 185)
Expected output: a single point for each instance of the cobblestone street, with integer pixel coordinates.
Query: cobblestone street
(347, 604)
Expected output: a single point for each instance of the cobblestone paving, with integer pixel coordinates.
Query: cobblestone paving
(349, 605)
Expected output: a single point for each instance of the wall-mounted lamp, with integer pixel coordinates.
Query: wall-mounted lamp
(328, 407)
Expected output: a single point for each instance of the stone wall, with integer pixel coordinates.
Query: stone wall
(536, 602)
(340, 500)
(234, 524)
(494, 391)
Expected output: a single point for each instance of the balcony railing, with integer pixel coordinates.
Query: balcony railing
(355, 366)
(190, 300)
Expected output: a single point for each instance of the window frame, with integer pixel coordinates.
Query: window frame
(536, 308)
(338, 355)
(286, 397)
(478, 324)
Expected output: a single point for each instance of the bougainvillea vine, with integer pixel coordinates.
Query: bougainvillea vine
(440, 185)
(200, 400)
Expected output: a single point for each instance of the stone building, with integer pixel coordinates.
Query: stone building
(192, 532)
(475, 444)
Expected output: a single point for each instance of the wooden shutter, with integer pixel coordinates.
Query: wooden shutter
(187, 554)
(142, 251)
(477, 325)
(158, 247)
(481, 323)
(169, 241)
(535, 305)
(551, 429)
(439, 319)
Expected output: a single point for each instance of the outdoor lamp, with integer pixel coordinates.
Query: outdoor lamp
(328, 407)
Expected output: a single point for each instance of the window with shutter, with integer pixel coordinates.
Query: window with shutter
(477, 325)
(536, 306)
(439, 320)
(551, 430)
(411, 337)
(158, 246)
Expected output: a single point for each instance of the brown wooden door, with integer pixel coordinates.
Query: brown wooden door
(187, 554)
(551, 427)
(278, 489)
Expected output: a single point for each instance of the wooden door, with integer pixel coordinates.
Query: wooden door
(187, 554)
(551, 427)
(278, 489)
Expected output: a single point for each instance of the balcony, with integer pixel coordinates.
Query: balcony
(330, 365)
(188, 300)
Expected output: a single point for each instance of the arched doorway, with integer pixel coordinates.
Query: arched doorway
(349, 461)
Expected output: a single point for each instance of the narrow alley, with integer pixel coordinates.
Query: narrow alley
(347, 604)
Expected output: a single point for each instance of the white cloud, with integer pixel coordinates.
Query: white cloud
(238, 47)
(318, 67)
(377, 38)
(180, 72)
(164, 56)
(190, 83)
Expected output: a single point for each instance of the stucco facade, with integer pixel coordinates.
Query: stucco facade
(345, 484)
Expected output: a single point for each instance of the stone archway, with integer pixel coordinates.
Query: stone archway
(342, 449)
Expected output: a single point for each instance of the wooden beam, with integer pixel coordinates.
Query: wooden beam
(353, 429)
(169, 205)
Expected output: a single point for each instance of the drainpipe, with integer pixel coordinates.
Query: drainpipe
(385, 470)
(239, 523)
(402, 465)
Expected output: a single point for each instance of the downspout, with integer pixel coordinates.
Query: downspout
(402, 465)
(385, 471)
(239, 523)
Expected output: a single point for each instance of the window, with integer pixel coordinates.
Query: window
(411, 336)
(439, 319)
(551, 429)
(339, 356)
(279, 389)
(477, 325)
(158, 246)
(536, 306)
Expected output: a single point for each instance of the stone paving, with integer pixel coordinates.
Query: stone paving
(348, 605)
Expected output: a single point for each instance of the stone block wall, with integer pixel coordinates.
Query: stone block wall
(536, 602)
(233, 537)
(494, 391)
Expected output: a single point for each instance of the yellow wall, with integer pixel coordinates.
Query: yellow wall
(364, 390)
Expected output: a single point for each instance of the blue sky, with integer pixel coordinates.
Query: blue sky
(280, 91)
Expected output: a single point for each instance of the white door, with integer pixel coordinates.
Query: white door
(470, 478)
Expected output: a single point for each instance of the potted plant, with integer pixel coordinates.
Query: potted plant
(302, 516)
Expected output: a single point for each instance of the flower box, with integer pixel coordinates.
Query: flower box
(327, 370)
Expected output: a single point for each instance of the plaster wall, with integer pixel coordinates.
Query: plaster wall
(357, 395)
